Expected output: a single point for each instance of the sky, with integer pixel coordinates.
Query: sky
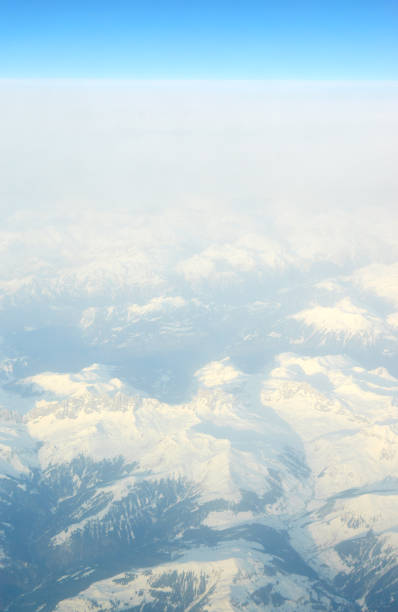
(221, 116)
(179, 39)
(308, 155)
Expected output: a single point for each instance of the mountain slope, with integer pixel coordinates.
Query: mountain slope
(288, 470)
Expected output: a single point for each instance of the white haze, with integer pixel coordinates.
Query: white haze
(185, 165)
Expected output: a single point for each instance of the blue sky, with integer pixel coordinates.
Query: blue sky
(351, 39)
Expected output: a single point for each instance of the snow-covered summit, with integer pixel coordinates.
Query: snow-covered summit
(345, 321)
(94, 379)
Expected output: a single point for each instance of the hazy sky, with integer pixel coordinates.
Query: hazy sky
(162, 144)
(310, 39)
(226, 117)
(314, 162)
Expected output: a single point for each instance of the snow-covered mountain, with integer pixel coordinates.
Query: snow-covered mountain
(346, 322)
(218, 438)
(269, 490)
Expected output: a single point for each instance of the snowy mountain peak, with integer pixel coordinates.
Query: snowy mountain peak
(344, 321)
